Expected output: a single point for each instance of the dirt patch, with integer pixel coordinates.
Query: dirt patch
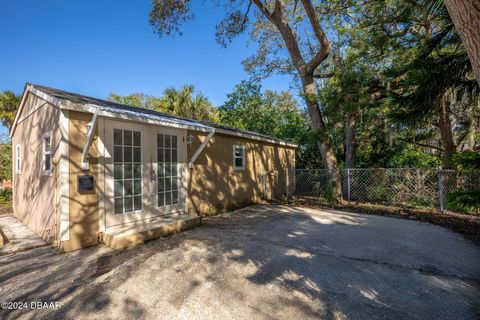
(468, 225)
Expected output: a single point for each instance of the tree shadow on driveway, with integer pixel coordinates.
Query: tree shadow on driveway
(263, 262)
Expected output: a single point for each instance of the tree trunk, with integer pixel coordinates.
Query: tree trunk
(465, 15)
(446, 133)
(350, 141)
(318, 126)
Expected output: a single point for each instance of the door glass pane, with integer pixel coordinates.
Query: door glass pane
(117, 137)
(118, 186)
(137, 203)
(137, 171)
(127, 185)
(117, 171)
(127, 154)
(137, 139)
(128, 204)
(118, 205)
(167, 167)
(117, 154)
(167, 141)
(127, 137)
(167, 155)
(137, 155)
(137, 187)
(127, 171)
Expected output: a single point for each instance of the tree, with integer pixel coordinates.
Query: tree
(465, 15)
(281, 19)
(181, 102)
(184, 103)
(9, 103)
(275, 114)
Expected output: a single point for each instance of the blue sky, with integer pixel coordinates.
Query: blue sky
(97, 47)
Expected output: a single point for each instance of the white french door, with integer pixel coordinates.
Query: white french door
(169, 165)
(145, 172)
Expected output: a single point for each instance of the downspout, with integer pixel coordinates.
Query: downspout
(90, 132)
(200, 149)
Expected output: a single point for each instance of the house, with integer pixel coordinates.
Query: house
(87, 170)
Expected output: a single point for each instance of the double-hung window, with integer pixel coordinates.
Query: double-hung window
(47, 154)
(239, 157)
(18, 163)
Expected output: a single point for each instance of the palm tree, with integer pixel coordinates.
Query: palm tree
(9, 103)
(184, 103)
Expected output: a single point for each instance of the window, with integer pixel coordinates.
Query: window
(17, 159)
(167, 164)
(47, 154)
(127, 171)
(238, 157)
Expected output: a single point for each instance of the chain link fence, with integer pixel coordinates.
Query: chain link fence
(416, 188)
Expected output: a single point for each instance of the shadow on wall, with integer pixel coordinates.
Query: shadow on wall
(215, 186)
(33, 190)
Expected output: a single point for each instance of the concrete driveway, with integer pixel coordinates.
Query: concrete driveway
(261, 262)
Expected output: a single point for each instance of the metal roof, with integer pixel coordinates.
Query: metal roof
(119, 108)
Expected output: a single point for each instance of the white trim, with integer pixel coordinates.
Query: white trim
(200, 148)
(64, 178)
(101, 175)
(40, 94)
(91, 130)
(135, 116)
(18, 159)
(236, 157)
(252, 136)
(44, 153)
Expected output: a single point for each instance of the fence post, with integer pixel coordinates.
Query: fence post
(348, 185)
(286, 184)
(441, 196)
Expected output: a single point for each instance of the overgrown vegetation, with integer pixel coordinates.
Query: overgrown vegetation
(6, 198)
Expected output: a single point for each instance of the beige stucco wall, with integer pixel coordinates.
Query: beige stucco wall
(35, 195)
(83, 209)
(214, 186)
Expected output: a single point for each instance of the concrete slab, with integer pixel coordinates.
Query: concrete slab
(129, 235)
(261, 262)
(19, 237)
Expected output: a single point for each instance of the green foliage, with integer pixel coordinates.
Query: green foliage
(9, 103)
(183, 102)
(469, 160)
(271, 113)
(413, 157)
(6, 198)
(6, 161)
(464, 201)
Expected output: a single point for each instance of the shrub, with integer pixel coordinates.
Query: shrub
(6, 197)
(464, 201)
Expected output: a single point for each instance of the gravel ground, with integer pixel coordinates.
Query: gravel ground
(261, 262)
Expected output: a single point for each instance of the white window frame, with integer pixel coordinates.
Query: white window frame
(18, 159)
(45, 153)
(235, 157)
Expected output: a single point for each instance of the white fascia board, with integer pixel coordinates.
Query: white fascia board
(107, 112)
(255, 137)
